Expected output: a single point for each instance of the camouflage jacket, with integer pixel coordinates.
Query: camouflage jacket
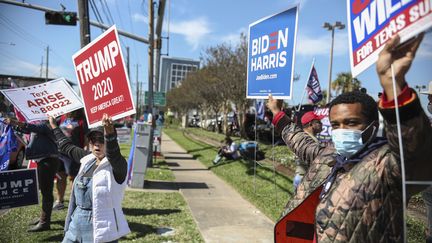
(364, 203)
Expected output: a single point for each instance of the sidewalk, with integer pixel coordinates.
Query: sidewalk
(221, 213)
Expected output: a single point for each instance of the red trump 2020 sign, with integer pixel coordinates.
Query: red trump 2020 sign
(102, 79)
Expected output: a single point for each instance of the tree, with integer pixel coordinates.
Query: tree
(345, 83)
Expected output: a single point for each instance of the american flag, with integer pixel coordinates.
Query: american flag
(313, 87)
(260, 109)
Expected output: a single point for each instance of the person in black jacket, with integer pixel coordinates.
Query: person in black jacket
(43, 149)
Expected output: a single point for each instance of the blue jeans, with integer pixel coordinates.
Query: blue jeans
(427, 198)
(296, 182)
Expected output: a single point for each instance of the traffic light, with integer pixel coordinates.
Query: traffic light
(60, 18)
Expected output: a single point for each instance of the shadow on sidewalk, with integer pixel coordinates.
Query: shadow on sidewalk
(179, 158)
(160, 185)
(144, 212)
(191, 169)
(171, 185)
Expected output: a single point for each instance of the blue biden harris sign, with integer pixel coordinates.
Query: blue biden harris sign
(271, 55)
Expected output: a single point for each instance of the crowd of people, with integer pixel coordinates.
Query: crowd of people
(92, 161)
(352, 190)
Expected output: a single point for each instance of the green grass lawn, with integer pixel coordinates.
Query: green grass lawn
(279, 154)
(146, 213)
(159, 171)
(261, 189)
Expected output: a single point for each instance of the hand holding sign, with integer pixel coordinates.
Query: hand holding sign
(52, 122)
(274, 105)
(103, 80)
(108, 124)
(401, 59)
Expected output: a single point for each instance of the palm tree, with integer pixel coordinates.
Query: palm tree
(345, 83)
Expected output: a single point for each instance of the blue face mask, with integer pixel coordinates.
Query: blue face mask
(346, 141)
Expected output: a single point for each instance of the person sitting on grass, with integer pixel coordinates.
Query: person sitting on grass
(229, 151)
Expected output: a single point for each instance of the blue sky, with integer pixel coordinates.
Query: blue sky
(193, 26)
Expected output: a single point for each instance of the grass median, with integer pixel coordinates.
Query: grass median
(149, 215)
(267, 190)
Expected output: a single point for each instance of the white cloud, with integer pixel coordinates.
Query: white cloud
(139, 18)
(194, 30)
(320, 45)
(233, 38)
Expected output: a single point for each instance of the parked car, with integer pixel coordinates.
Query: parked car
(194, 121)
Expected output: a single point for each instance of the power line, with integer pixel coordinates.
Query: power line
(109, 11)
(105, 12)
(96, 12)
(133, 31)
(118, 13)
(14, 28)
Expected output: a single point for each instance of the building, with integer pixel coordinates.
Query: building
(23, 81)
(173, 70)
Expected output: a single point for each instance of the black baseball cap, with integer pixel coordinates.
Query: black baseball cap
(96, 131)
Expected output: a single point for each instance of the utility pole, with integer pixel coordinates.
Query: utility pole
(150, 79)
(41, 68)
(127, 62)
(46, 70)
(83, 15)
(331, 27)
(158, 43)
(137, 93)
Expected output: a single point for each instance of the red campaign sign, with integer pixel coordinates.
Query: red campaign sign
(102, 79)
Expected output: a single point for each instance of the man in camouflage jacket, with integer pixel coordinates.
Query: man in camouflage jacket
(360, 194)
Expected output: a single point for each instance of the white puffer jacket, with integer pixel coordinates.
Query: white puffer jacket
(109, 222)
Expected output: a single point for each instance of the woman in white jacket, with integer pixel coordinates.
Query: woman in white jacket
(95, 213)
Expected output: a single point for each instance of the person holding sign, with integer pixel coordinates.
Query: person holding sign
(353, 192)
(312, 126)
(43, 149)
(95, 213)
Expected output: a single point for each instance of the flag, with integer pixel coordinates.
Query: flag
(260, 109)
(8, 144)
(130, 159)
(313, 87)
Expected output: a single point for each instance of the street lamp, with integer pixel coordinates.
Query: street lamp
(331, 27)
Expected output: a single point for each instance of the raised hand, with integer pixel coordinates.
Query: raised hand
(401, 57)
(52, 122)
(108, 124)
(274, 105)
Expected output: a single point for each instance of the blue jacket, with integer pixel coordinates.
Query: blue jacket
(42, 141)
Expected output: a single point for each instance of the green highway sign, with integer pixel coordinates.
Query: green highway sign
(158, 98)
